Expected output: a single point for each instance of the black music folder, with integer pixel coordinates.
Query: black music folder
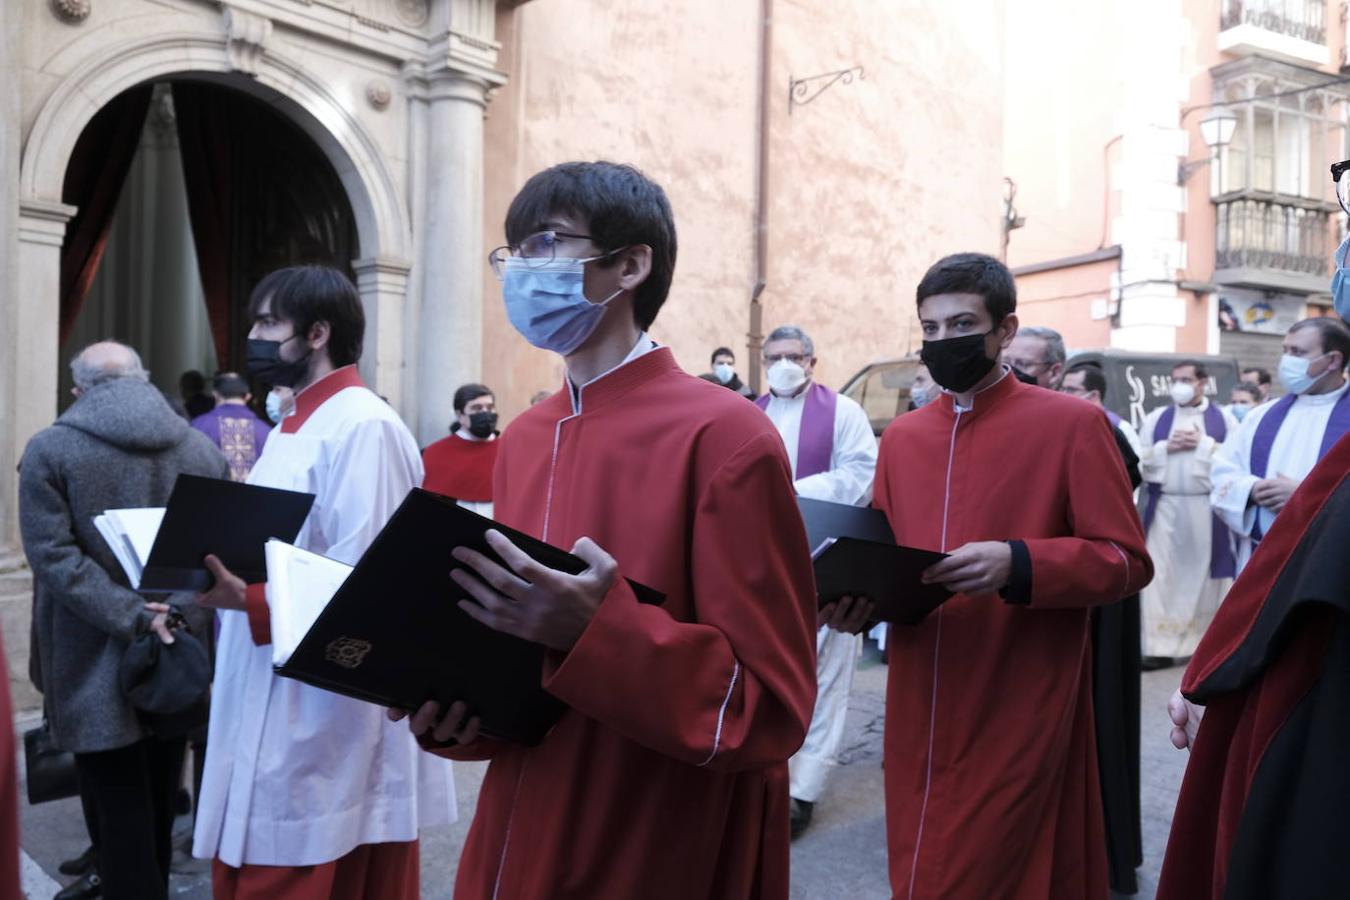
(854, 553)
(230, 519)
(393, 633)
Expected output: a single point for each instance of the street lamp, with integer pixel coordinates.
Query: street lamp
(1216, 130)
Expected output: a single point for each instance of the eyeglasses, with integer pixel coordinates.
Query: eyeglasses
(539, 249)
(1026, 365)
(800, 359)
(1342, 185)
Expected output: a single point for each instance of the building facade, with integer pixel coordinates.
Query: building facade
(1141, 235)
(818, 159)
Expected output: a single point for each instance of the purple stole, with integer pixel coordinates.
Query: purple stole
(1269, 426)
(815, 440)
(1113, 419)
(1222, 563)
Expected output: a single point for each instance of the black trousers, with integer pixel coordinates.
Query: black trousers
(131, 793)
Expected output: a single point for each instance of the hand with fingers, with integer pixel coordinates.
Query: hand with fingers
(160, 623)
(983, 567)
(528, 599)
(455, 725)
(847, 614)
(1186, 718)
(1274, 493)
(227, 592)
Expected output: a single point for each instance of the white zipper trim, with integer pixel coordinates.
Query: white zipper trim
(553, 471)
(937, 655)
(1125, 559)
(721, 713)
(506, 842)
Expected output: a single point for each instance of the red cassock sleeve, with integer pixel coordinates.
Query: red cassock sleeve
(1106, 558)
(735, 689)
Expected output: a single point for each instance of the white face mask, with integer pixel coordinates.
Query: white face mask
(786, 377)
(1182, 393)
(724, 372)
(273, 405)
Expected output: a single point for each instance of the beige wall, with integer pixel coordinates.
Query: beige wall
(869, 184)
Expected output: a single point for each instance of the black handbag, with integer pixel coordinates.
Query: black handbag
(167, 683)
(51, 770)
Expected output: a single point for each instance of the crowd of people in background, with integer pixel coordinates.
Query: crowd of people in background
(1012, 710)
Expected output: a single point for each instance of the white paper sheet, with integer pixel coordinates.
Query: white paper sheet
(130, 534)
(299, 586)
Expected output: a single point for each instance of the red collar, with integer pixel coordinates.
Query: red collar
(314, 396)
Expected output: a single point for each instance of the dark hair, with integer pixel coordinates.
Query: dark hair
(1262, 376)
(467, 393)
(1249, 389)
(1201, 373)
(1093, 379)
(721, 351)
(620, 207)
(307, 295)
(972, 273)
(192, 381)
(1333, 332)
(230, 385)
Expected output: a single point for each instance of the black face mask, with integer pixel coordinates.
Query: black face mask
(482, 424)
(265, 363)
(959, 363)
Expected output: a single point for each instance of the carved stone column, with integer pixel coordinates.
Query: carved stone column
(448, 211)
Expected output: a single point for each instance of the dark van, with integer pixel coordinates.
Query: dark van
(1135, 382)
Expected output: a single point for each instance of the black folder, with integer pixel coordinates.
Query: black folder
(230, 519)
(854, 554)
(394, 634)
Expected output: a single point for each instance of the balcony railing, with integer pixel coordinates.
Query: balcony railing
(1259, 234)
(1303, 19)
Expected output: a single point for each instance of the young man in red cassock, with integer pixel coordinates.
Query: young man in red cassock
(667, 777)
(991, 763)
(460, 466)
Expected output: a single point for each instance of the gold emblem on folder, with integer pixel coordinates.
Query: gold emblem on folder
(347, 652)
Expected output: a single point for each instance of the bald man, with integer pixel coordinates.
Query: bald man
(119, 446)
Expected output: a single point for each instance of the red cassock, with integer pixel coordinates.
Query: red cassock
(1262, 810)
(667, 778)
(991, 764)
(460, 468)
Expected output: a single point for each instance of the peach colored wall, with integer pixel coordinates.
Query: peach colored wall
(869, 184)
(1063, 300)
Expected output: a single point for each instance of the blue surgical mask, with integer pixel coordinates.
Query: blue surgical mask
(547, 304)
(273, 405)
(1294, 373)
(1239, 412)
(1340, 282)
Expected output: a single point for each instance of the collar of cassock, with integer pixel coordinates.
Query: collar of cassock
(314, 396)
(615, 383)
(986, 398)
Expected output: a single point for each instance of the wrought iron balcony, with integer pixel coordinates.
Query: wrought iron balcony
(1262, 234)
(1302, 19)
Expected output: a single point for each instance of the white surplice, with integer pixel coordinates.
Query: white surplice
(1294, 452)
(297, 776)
(853, 464)
(1180, 602)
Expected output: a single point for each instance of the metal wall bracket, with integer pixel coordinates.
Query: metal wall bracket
(802, 91)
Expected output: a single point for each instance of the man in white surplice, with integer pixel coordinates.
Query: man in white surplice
(298, 777)
(1191, 550)
(833, 453)
(1278, 443)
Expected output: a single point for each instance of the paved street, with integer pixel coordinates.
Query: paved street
(842, 855)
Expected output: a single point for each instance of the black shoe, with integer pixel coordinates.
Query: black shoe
(80, 865)
(182, 802)
(799, 815)
(87, 887)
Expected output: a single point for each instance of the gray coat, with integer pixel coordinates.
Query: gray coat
(118, 446)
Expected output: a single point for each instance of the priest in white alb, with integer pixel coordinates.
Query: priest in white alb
(1191, 548)
(1264, 460)
(308, 795)
(833, 454)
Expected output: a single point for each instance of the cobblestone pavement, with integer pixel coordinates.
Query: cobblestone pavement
(842, 855)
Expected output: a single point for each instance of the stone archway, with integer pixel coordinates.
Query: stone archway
(234, 59)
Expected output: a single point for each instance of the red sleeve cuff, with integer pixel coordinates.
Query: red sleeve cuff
(259, 616)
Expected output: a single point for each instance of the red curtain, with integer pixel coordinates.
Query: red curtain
(206, 140)
(94, 178)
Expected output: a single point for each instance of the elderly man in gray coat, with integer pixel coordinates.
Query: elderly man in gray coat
(120, 445)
